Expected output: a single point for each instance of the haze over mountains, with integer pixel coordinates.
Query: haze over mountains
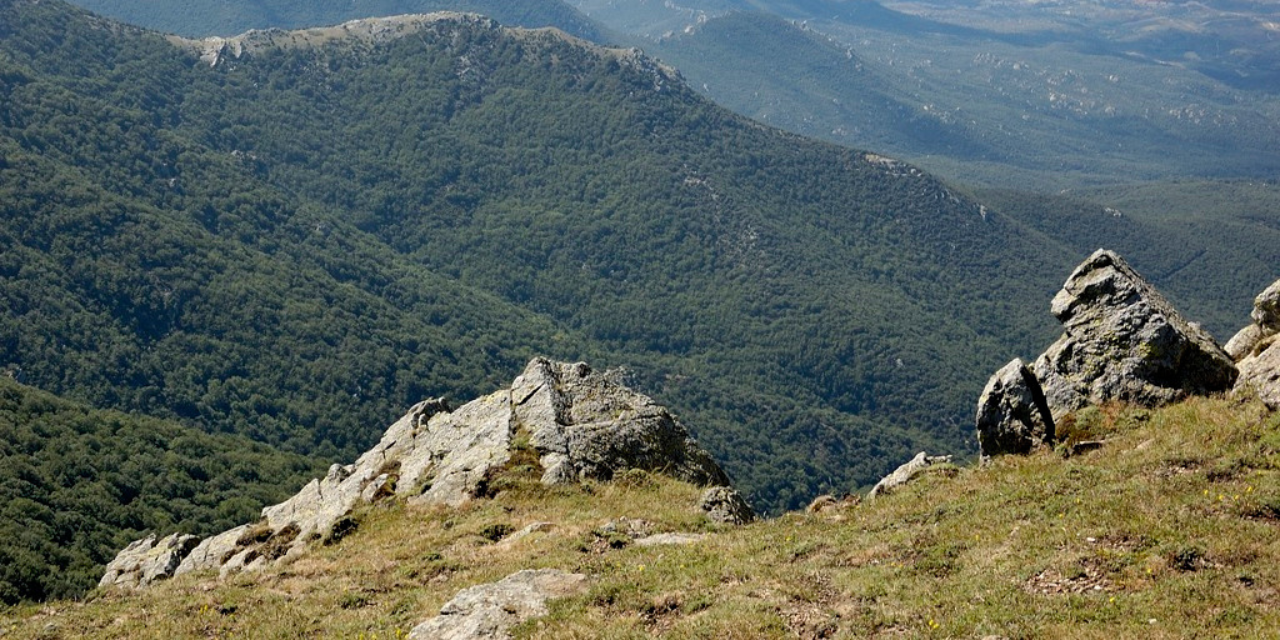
(295, 236)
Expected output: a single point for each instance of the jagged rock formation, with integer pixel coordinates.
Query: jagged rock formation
(905, 473)
(586, 425)
(1013, 416)
(1124, 341)
(146, 560)
(726, 505)
(489, 611)
(1255, 351)
(582, 424)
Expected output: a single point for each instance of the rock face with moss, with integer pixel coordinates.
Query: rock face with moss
(582, 424)
(1254, 348)
(1124, 341)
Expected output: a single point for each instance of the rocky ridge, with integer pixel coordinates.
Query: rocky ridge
(581, 424)
(220, 50)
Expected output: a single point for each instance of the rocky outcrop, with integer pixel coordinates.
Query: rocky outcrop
(489, 611)
(146, 561)
(725, 505)
(1124, 341)
(906, 473)
(1013, 416)
(582, 424)
(586, 425)
(1254, 348)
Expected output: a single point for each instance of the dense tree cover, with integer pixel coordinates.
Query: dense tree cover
(200, 18)
(78, 484)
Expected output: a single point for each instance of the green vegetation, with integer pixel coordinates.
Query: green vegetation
(78, 484)
(1169, 528)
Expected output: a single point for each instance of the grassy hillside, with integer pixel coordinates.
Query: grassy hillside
(78, 484)
(222, 18)
(1168, 530)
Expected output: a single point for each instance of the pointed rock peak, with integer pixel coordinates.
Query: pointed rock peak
(1124, 341)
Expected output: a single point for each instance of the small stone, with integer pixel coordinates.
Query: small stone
(905, 473)
(726, 506)
(670, 539)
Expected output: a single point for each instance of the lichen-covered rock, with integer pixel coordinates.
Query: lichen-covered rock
(906, 473)
(1013, 416)
(146, 561)
(1124, 341)
(586, 424)
(489, 611)
(726, 506)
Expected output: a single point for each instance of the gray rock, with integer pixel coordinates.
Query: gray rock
(725, 505)
(458, 449)
(1260, 373)
(1266, 308)
(667, 539)
(212, 552)
(588, 425)
(1241, 345)
(1013, 416)
(146, 561)
(489, 611)
(585, 425)
(905, 473)
(1124, 341)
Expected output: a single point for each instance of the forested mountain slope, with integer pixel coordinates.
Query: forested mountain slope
(77, 484)
(298, 243)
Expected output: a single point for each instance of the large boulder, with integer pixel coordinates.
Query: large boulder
(147, 560)
(1013, 416)
(489, 611)
(584, 425)
(1124, 341)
